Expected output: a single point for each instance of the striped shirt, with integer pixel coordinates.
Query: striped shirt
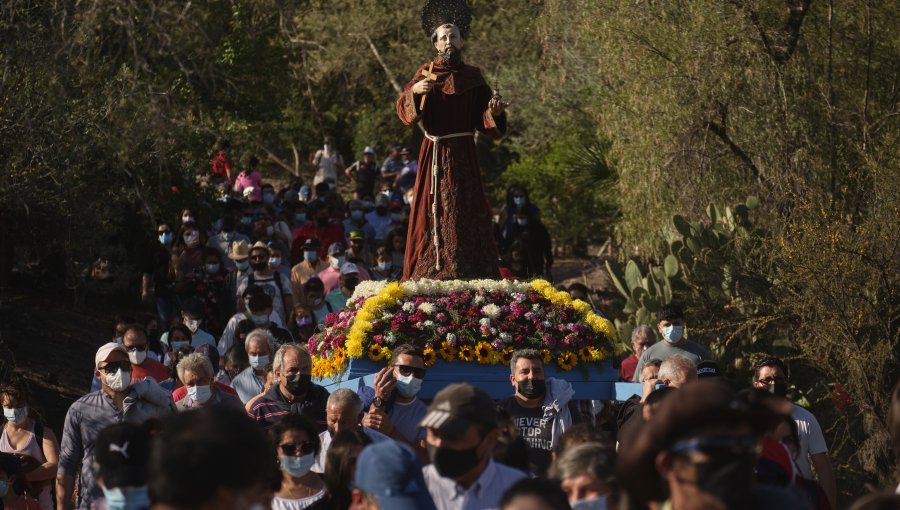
(272, 406)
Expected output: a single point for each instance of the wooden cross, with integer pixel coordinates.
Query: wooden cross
(428, 76)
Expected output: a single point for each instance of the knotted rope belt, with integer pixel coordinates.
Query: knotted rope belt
(435, 195)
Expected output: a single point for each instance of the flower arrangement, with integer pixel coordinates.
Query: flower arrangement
(479, 321)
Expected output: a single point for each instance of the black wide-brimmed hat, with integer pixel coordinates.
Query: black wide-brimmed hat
(442, 12)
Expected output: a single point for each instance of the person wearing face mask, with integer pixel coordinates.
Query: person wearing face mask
(541, 408)
(517, 199)
(296, 441)
(700, 451)
(314, 293)
(347, 283)
(538, 246)
(384, 268)
(771, 374)
(214, 458)
(273, 283)
(380, 219)
(277, 262)
(251, 382)
(239, 255)
(461, 425)
(189, 244)
(307, 268)
(321, 227)
(293, 390)
(196, 373)
(396, 410)
(343, 412)
(586, 474)
(234, 361)
(26, 437)
(225, 240)
(356, 222)
(358, 254)
(136, 344)
(260, 308)
(331, 275)
(121, 466)
(117, 401)
(192, 316)
(671, 327)
(158, 278)
(12, 495)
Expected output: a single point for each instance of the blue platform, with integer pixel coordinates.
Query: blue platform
(591, 381)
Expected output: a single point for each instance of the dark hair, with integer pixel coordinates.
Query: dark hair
(658, 395)
(136, 327)
(670, 312)
(313, 285)
(579, 433)
(252, 290)
(201, 451)
(412, 350)
(212, 252)
(124, 319)
(548, 491)
(339, 464)
(580, 287)
(511, 448)
(654, 362)
(16, 388)
(236, 352)
(260, 302)
(178, 327)
(295, 421)
(769, 361)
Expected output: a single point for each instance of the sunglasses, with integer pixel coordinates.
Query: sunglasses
(305, 448)
(112, 368)
(259, 257)
(406, 371)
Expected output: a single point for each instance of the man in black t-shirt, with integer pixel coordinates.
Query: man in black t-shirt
(540, 407)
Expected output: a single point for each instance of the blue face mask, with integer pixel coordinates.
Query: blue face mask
(212, 268)
(297, 466)
(126, 498)
(673, 334)
(180, 344)
(311, 256)
(356, 214)
(242, 266)
(519, 200)
(268, 198)
(246, 220)
(408, 386)
(259, 361)
(385, 266)
(4, 488)
(260, 320)
(300, 217)
(166, 238)
(590, 504)
(227, 236)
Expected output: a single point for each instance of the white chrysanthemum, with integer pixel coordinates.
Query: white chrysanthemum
(409, 307)
(390, 338)
(368, 288)
(485, 322)
(428, 324)
(451, 337)
(428, 308)
(492, 311)
(478, 300)
(505, 337)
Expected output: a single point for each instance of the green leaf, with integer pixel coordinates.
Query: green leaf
(752, 202)
(615, 274)
(713, 213)
(632, 276)
(671, 266)
(681, 225)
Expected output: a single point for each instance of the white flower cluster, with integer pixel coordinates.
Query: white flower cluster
(428, 308)
(434, 287)
(491, 311)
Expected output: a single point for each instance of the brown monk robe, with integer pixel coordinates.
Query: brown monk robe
(457, 104)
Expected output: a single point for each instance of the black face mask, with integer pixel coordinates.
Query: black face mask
(453, 463)
(259, 266)
(780, 389)
(532, 388)
(730, 479)
(298, 384)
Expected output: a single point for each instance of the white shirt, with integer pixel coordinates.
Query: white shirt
(484, 494)
(296, 504)
(325, 439)
(227, 338)
(812, 441)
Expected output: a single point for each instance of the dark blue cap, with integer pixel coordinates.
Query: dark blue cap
(391, 472)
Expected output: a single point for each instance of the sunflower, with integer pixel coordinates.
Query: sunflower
(375, 352)
(448, 352)
(547, 355)
(567, 360)
(339, 357)
(506, 355)
(483, 352)
(585, 354)
(466, 353)
(429, 356)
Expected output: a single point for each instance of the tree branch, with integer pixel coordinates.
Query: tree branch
(781, 53)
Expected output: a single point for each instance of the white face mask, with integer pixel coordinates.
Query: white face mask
(137, 357)
(336, 262)
(185, 219)
(199, 394)
(408, 386)
(120, 381)
(15, 415)
(274, 262)
(259, 361)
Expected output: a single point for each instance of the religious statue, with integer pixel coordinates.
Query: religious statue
(450, 232)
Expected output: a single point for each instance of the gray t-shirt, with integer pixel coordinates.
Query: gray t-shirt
(663, 349)
(406, 418)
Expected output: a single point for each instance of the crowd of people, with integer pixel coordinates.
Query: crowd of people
(209, 403)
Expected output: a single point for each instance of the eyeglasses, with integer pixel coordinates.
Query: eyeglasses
(112, 368)
(136, 348)
(305, 448)
(718, 445)
(406, 371)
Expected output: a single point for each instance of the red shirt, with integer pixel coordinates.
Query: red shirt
(327, 235)
(149, 368)
(180, 393)
(627, 368)
(221, 165)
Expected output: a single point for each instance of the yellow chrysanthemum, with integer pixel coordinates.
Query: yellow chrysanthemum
(547, 355)
(581, 306)
(540, 285)
(354, 344)
(598, 354)
(466, 353)
(386, 353)
(567, 360)
(560, 298)
(483, 352)
(448, 352)
(375, 352)
(429, 356)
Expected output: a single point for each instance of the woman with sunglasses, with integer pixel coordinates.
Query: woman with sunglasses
(296, 441)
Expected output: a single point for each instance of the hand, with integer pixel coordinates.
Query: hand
(423, 87)
(377, 420)
(384, 383)
(497, 105)
(145, 296)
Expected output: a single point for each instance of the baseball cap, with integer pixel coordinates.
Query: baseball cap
(357, 235)
(349, 268)
(312, 244)
(457, 406)
(708, 368)
(368, 150)
(121, 453)
(305, 193)
(391, 472)
(105, 350)
(404, 151)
